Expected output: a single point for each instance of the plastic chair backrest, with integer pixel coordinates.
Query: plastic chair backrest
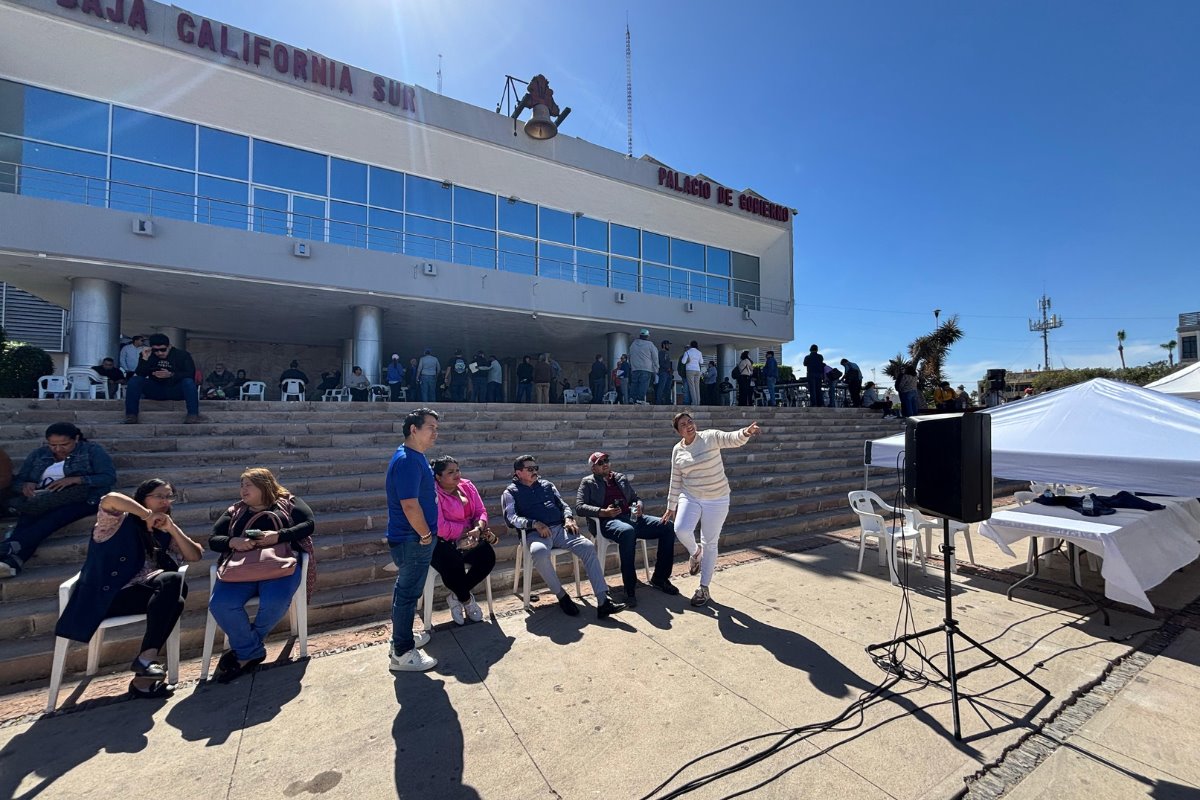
(293, 386)
(254, 388)
(54, 383)
(569, 396)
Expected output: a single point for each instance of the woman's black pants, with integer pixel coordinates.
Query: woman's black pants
(462, 570)
(160, 599)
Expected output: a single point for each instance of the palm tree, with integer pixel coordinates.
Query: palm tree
(1170, 348)
(927, 354)
(1121, 347)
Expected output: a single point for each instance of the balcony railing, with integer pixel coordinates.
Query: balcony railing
(152, 201)
(1190, 320)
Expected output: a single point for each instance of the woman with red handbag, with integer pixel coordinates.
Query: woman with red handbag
(260, 538)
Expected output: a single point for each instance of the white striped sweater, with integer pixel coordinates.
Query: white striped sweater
(698, 469)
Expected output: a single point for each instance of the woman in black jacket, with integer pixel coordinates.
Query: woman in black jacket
(266, 516)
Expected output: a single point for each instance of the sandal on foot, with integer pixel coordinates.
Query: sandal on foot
(694, 560)
(142, 669)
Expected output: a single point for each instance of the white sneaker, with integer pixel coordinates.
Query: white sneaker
(456, 609)
(474, 612)
(412, 661)
(420, 638)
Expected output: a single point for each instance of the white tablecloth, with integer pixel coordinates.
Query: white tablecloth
(1140, 548)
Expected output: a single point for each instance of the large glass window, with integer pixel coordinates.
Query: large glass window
(347, 180)
(474, 208)
(655, 247)
(687, 254)
(387, 231)
(149, 137)
(624, 273)
(428, 198)
(1187, 348)
(718, 291)
(289, 168)
(591, 268)
(555, 261)
(152, 190)
(717, 261)
(518, 255)
(517, 216)
(225, 154)
(68, 175)
(656, 280)
(270, 212)
(427, 238)
(387, 188)
(474, 247)
(745, 267)
(222, 202)
(626, 241)
(556, 226)
(592, 234)
(308, 218)
(348, 224)
(53, 117)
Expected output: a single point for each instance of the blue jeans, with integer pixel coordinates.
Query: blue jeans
(458, 391)
(495, 392)
(228, 607)
(908, 404)
(771, 392)
(29, 532)
(665, 394)
(479, 384)
(625, 533)
(139, 387)
(412, 560)
(639, 384)
(428, 391)
(816, 397)
(524, 392)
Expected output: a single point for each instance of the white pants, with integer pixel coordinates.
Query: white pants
(710, 514)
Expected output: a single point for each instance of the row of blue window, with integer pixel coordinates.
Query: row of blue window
(206, 174)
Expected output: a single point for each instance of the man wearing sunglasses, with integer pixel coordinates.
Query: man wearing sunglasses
(533, 504)
(163, 373)
(610, 498)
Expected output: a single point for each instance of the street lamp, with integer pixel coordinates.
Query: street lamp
(937, 312)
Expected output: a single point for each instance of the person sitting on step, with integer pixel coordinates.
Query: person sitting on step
(163, 373)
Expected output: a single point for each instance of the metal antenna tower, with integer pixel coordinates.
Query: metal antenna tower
(439, 73)
(1044, 326)
(628, 93)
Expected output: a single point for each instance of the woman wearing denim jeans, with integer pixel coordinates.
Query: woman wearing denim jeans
(266, 515)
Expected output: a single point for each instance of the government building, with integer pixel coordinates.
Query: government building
(255, 200)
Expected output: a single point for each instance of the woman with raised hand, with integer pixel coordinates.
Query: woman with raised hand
(260, 539)
(132, 567)
(462, 553)
(699, 493)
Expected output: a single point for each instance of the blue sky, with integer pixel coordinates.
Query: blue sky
(965, 156)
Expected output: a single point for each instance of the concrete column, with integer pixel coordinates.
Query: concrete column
(178, 336)
(727, 359)
(368, 334)
(95, 321)
(348, 361)
(618, 345)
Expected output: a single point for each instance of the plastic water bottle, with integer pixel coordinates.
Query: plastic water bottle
(1089, 505)
(637, 510)
(1047, 494)
(1060, 489)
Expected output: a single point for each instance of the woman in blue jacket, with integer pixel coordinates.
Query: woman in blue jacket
(60, 482)
(132, 567)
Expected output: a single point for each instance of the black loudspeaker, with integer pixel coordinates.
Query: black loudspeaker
(948, 466)
(995, 379)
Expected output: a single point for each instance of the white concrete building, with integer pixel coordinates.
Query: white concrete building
(160, 170)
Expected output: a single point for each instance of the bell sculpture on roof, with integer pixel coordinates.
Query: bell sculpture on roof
(546, 115)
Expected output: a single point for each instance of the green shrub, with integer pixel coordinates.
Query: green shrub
(20, 367)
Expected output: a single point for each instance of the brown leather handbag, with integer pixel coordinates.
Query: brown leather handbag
(261, 563)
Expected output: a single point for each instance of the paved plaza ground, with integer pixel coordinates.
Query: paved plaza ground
(547, 706)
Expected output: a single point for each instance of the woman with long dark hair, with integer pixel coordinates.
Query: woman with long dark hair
(462, 552)
(266, 517)
(132, 567)
(745, 374)
(59, 482)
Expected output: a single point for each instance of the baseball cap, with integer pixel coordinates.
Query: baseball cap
(395, 355)
(666, 341)
(644, 332)
(596, 456)
(428, 351)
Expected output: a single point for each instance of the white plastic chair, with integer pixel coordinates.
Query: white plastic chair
(527, 572)
(53, 386)
(65, 590)
(293, 389)
(297, 616)
(602, 544)
(872, 523)
(931, 525)
(426, 602)
(252, 389)
(381, 393)
(569, 396)
(336, 395)
(610, 397)
(85, 382)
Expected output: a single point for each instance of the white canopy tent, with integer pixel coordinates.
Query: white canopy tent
(1099, 433)
(1184, 383)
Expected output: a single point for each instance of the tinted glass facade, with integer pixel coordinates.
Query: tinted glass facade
(61, 147)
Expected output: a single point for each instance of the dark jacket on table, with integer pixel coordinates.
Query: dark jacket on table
(179, 362)
(108, 567)
(88, 461)
(590, 497)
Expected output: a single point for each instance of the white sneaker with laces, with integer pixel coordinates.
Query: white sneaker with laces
(456, 609)
(420, 638)
(474, 612)
(412, 661)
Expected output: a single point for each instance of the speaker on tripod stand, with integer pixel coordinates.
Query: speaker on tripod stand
(948, 474)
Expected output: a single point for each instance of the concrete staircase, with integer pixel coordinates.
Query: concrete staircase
(792, 479)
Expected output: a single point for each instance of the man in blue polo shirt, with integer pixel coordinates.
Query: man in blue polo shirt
(412, 526)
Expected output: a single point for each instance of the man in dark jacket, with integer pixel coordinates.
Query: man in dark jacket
(814, 373)
(163, 373)
(598, 378)
(610, 499)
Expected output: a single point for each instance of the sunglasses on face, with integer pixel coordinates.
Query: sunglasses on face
(530, 468)
(602, 462)
(159, 349)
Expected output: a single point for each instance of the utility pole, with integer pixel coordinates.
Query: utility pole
(1044, 326)
(439, 73)
(628, 93)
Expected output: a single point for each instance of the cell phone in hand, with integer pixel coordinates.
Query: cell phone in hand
(254, 533)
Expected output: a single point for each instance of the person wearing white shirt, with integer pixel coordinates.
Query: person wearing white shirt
(130, 354)
(693, 362)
